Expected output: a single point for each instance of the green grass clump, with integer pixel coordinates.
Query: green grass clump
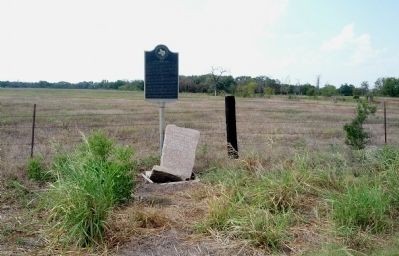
(249, 208)
(90, 181)
(362, 206)
(36, 170)
(280, 191)
(262, 206)
(263, 227)
(242, 220)
(388, 158)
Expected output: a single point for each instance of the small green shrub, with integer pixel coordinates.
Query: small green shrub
(37, 171)
(362, 206)
(355, 134)
(90, 181)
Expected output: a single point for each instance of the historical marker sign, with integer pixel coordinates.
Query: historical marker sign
(161, 82)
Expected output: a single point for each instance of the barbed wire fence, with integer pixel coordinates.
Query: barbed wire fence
(22, 135)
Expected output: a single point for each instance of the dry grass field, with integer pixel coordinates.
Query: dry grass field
(270, 131)
(264, 125)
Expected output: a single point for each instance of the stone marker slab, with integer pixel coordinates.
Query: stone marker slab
(178, 152)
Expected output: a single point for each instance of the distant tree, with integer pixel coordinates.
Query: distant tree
(388, 86)
(308, 89)
(364, 87)
(269, 91)
(217, 73)
(346, 89)
(246, 90)
(318, 84)
(115, 85)
(242, 79)
(357, 92)
(135, 85)
(44, 84)
(328, 90)
(226, 84)
(291, 89)
(284, 87)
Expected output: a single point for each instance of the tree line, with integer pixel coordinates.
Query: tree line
(245, 86)
(135, 85)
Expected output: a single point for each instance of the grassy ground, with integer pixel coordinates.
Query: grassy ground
(276, 135)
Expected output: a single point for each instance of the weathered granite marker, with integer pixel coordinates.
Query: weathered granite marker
(178, 154)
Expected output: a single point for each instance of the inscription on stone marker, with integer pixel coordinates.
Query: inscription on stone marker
(161, 74)
(178, 153)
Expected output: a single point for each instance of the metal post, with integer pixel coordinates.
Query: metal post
(231, 129)
(385, 123)
(161, 125)
(33, 130)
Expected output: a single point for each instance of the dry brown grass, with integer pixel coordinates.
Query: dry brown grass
(264, 125)
(269, 131)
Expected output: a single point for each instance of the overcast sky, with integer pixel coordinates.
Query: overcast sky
(291, 40)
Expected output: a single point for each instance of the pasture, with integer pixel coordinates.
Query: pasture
(273, 127)
(272, 133)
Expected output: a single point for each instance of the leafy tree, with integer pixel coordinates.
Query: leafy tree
(388, 86)
(346, 89)
(269, 91)
(308, 89)
(246, 90)
(328, 90)
(226, 84)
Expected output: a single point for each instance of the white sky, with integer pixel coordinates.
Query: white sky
(92, 40)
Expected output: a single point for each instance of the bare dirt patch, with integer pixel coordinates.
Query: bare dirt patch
(165, 219)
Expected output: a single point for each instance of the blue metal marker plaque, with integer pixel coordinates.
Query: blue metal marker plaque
(161, 79)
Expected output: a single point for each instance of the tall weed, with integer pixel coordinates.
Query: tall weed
(90, 181)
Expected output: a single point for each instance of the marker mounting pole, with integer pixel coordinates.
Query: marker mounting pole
(161, 125)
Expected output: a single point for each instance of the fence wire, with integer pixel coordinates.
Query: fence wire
(15, 130)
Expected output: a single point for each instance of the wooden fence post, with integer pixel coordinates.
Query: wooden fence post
(33, 131)
(231, 129)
